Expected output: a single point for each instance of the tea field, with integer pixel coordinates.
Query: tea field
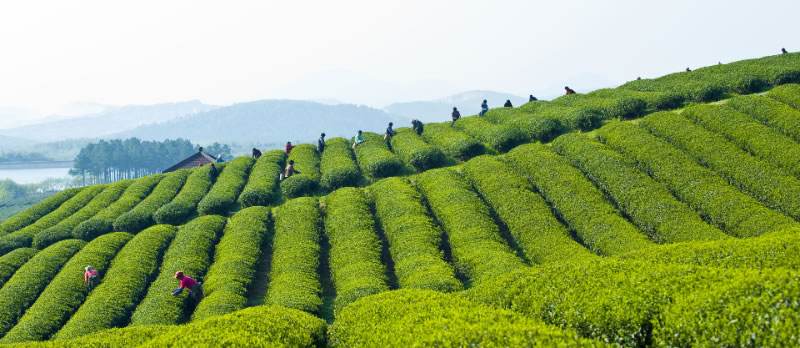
(663, 212)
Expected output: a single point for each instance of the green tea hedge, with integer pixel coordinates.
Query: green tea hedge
(787, 94)
(779, 116)
(132, 270)
(235, 259)
(355, 254)
(722, 204)
(479, 251)
(647, 203)
(262, 186)
(30, 215)
(24, 287)
(375, 159)
(184, 205)
(529, 219)
(191, 252)
(413, 237)
(11, 262)
(222, 196)
(66, 291)
(500, 137)
(293, 279)
(416, 152)
(338, 166)
(453, 142)
(141, 216)
(306, 161)
(598, 224)
(541, 128)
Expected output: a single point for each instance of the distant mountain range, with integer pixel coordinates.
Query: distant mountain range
(268, 122)
(109, 121)
(468, 103)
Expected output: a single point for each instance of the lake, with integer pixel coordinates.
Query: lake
(36, 173)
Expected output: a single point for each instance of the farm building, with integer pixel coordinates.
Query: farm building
(197, 159)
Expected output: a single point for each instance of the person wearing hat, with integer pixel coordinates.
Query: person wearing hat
(90, 276)
(185, 282)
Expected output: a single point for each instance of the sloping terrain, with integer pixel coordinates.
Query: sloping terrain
(660, 213)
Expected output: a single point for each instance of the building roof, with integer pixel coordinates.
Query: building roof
(197, 159)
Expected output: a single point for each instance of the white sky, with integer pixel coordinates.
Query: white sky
(54, 53)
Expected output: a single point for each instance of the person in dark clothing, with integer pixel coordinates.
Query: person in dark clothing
(508, 104)
(568, 90)
(417, 126)
(213, 172)
(688, 70)
(389, 132)
(531, 98)
(321, 143)
(289, 147)
(784, 51)
(456, 115)
(638, 78)
(256, 153)
(484, 108)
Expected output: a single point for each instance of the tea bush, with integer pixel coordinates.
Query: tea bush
(722, 204)
(306, 161)
(598, 224)
(19, 292)
(750, 174)
(141, 216)
(293, 279)
(11, 262)
(262, 186)
(235, 259)
(787, 94)
(412, 236)
(529, 219)
(222, 196)
(453, 142)
(355, 254)
(533, 126)
(770, 112)
(191, 252)
(646, 202)
(338, 166)
(111, 303)
(479, 251)
(500, 137)
(37, 211)
(184, 205)
(416, 152)
(66, 292)
(375, 159)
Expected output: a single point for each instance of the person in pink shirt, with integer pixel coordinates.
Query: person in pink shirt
(185, 282)
(90, 276)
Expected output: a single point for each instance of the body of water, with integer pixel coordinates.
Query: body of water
(34, 174)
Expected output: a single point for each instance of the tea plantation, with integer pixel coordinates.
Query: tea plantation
(663, 212)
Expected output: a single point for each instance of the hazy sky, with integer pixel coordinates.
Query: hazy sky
(372, 52)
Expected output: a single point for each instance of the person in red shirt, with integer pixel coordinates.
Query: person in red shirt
(185, 282)
(90, 276)
(289, 147)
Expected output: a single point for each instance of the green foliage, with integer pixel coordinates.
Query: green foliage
(501, 138)
(479, 251)
(626, 302)
(338, 166)
(306, 161)
(749, 134)
(234, 266)
(646, 202)
(9, 263)
(30, 215)
(63, 230)
(615, 103)
(416, 152)
(222, 196)
(773, 250)
(190, 252)
(141, 216)
(412, 236)
(375, 159)
(570, 117)
(24, 237)
(19, 292)
(595, 221)
(66, 292)
(722, 204)
(535, 127)
(103, 221)
(787, 94)
(355, 255)
(750, 174)
(411, 318)
(529, 219)
(454, 143)
(262, 186)
(770, 112)
(118, 337)
(293, 280)
(112, 301)
(184, 205)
